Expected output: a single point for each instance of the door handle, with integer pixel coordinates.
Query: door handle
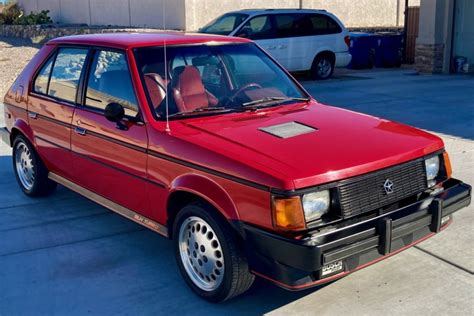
(282, 46)
(33, 115)
(79, 130)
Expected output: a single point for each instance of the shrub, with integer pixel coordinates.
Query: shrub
(35, 18)
(13, 14)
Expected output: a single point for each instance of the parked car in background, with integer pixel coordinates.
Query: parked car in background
(300, 40)
(210, 143)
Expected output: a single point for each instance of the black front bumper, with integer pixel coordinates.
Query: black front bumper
(5, 135)
(297, 264)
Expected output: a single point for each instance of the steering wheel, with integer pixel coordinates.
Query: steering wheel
(247, 86)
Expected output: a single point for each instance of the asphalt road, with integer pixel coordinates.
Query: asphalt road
(65, 255)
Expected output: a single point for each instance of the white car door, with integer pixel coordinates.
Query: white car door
(261, 30)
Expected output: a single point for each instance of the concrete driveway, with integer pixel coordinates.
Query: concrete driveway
(65, 255)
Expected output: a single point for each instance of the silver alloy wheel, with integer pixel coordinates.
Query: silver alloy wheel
(24, 165)
(201, 253)
(324, 68)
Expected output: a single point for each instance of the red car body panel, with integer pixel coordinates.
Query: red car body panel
(228, 161)
(231, 145)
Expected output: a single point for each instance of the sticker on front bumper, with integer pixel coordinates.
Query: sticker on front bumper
(332, 268)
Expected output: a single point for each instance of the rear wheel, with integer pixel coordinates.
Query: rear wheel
(30, 172)
(323, 66)
(209, 255)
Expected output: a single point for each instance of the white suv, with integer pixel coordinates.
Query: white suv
(299, 39)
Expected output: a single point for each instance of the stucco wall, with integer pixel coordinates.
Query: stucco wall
(192, 14)
(112, 12)
(353, 13)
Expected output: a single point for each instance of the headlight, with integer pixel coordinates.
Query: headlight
(315, 205)
(432, 170)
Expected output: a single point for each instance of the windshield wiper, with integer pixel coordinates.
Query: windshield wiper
(270, 101)
(202, 110)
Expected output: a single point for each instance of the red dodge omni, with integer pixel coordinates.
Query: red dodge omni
(209, 142)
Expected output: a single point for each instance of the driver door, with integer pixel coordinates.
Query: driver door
(109, 161)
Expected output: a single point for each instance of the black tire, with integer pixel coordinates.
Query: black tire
(236, 278)
(322, 59)
(40, 185)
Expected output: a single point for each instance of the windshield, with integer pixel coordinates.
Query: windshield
(224, 24)
(213, 78)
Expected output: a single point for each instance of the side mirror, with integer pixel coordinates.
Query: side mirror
(115, 112)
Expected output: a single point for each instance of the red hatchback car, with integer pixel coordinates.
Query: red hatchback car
(209, 142)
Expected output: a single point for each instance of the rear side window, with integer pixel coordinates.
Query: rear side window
(41, 81)
(66, 73)
(257, 28)
(323, 24)
(110, 82)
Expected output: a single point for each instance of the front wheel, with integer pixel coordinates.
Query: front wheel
(208, 254)
(323, 67)
(30, 172)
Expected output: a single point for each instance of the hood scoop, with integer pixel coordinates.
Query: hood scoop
(287, 130)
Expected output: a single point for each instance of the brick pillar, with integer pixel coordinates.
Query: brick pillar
(433, 45)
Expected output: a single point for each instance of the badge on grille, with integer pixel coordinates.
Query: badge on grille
(388, 186)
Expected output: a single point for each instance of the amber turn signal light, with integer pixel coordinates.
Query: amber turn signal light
(288, 213)
(447, 164)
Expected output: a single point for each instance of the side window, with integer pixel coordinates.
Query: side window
(323, 24)
(41, 81)
(284, 24)
(109, 81)
(257, 28)
(66, 73)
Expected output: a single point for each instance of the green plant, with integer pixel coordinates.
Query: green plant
(35, 18)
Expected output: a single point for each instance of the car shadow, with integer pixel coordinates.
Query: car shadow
(130, 270)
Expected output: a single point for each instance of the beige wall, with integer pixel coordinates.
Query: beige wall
(112, 12)
(192, 14)
(353, 13)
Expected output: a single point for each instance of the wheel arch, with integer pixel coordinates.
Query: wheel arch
(191, 188)
(324, 52)
(20, 127)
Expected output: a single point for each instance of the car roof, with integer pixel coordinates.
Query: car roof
(276, 11)
(130, 40)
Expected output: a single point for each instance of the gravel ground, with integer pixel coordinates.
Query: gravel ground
(15, 53)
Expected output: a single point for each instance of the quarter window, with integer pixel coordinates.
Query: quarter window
(41, 81)
(110, 82)
(322, 24)
(66, 73)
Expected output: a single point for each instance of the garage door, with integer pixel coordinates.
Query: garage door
(464, 30)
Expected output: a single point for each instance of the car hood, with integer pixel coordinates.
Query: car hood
(333, 144)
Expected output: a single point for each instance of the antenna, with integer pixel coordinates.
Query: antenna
(163, 11)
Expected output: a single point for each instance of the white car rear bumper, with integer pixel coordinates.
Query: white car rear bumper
(343, 59)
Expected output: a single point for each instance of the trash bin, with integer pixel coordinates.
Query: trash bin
(362, 48)
(389, 50)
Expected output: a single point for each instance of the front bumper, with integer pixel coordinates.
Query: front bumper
(298, 264)
(5, 135)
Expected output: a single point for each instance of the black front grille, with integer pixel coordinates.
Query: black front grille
(367, 193)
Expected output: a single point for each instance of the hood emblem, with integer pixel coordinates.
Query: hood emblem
(388, 186)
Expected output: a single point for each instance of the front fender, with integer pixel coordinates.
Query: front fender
(209, 190)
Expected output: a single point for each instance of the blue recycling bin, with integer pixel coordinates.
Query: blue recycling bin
(389, 49)
(362, 48)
